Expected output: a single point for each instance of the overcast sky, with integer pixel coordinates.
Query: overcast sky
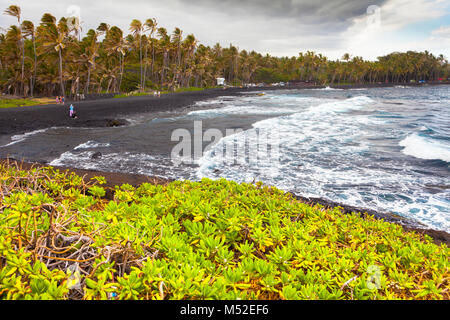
(367, 28)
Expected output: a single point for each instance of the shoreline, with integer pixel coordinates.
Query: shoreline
(113, 112)
(117, 178)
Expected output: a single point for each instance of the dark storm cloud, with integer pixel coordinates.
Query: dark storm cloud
(309, 10)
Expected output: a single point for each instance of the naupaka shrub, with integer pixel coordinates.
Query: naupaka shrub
(60, 238)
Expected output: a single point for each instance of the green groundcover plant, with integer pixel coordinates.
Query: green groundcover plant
(61, 238)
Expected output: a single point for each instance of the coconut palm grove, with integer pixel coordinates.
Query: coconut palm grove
(52, 58)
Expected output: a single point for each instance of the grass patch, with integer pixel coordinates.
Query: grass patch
(13, 103)
(188, 89)
(200, 240)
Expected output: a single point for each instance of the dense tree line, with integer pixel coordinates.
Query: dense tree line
(52, 59)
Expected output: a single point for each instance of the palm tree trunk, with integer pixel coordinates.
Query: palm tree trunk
(78, 86)
(153, 58)
(86, 88)
(140, 58)
(35, 67)
(109, 85)
(23, 66)
(145, 68)
(61, 73)
(121, 70)
(163, 69)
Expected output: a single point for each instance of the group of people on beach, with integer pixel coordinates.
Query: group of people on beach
(60, 99)
(72, 112)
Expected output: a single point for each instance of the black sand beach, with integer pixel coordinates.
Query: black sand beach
(102, 112)
(111, 112)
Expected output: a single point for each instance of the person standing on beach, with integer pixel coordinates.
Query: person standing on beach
(71, 111)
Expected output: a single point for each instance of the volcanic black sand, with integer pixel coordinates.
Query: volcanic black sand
(103, 112)
(114, 111)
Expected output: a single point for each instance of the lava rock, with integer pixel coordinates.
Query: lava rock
(96, 155)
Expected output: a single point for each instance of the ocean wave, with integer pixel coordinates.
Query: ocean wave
(328, 88)
(21, 137)
(127, 162)
(232, 110)
(353, 103)
(91, 144)
(84, 159)
(286, 104)
(425, 148)
(268, 105)
(299, 133)
(220, 99)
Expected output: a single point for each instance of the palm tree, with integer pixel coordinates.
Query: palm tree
(151, 25)
(90, 54)
(15, 11)
(29, 31)
(164, 44)
(55, 37)
(177, 37)
(189, 44)
(137, 29)
(11, 56)
(116, 45)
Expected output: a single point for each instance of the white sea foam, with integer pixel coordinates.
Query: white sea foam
(231, 110)
(316, 144)
(21, 137)
(69, 158)
(220, 99)
(354, 103)
(299, 132)
(425, 148)
(267, 105)
(138, 163)
(84, 159)
(91, 144)
(328, 88)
